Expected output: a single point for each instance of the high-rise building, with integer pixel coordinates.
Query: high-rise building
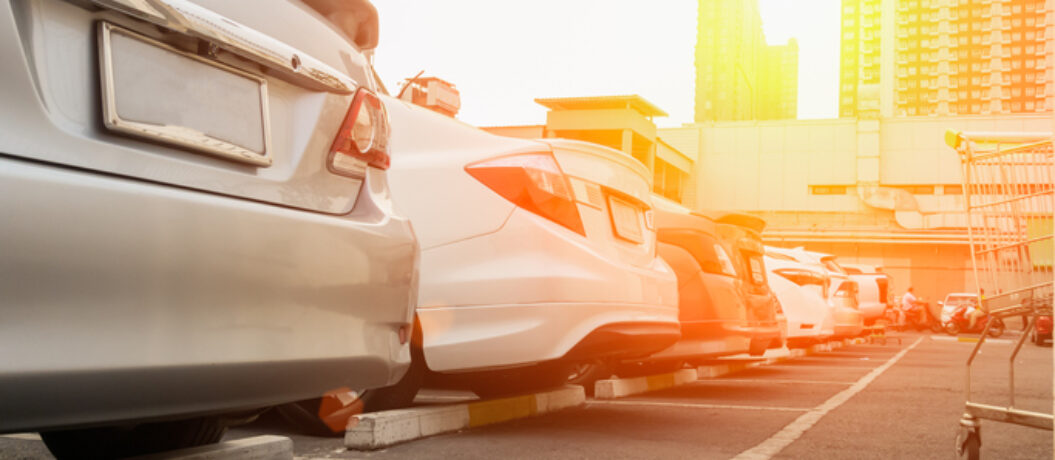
(859, 59)
(945, 57)
(779, 81)
(738, 76)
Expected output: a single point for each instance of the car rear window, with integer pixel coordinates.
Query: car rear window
(755, 267)
(703, 247)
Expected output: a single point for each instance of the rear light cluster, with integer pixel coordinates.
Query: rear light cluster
(534, 182)
(363, 137)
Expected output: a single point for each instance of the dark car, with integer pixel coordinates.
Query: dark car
(741, 235)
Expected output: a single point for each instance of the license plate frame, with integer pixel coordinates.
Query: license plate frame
(125, 113)
(626, 219)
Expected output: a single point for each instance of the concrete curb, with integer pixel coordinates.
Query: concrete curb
(618, 388)
(382, 429)
(711, 371)
(266, 447)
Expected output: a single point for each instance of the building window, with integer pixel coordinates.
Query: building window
(828, 190)
(918, 189)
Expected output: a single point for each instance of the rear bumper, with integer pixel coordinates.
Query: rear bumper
(847, 331)
(126, 300)
(1044, 325)
(766, 335)
(531, 292)
(871, 310)
(848, 322)
(469, 338)
(625, 340)
(708, 339)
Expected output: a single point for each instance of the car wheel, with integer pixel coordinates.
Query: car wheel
(952, 328)
(997, 328)
(127, 441)
(520, 381)
(758, 347)
(587, 373)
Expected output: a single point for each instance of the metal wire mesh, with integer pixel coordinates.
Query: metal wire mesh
(1009, 188)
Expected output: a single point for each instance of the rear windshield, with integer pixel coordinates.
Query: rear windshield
(755, 267)
(703, 247)
(831, 265)
(802, 277)
(958, 300)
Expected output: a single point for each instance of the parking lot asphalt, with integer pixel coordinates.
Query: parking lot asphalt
(860, 401)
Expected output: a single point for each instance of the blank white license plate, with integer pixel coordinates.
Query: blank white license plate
(626, 219)
(155, 91)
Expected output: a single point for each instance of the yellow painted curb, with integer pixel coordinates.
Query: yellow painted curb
(382, 429)
(501, 410)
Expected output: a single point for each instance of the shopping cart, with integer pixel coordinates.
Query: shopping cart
(1008, 195)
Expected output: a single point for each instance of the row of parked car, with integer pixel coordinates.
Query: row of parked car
(213, 210)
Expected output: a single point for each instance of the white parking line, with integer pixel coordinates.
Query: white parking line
(833, 365)
(820, 382)
(783, 438)
(693, 405)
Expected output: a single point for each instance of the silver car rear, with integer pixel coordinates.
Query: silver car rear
(180, 236)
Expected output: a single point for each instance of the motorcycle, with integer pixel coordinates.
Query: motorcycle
(958, 322)
(919, 317)
(1042, 331)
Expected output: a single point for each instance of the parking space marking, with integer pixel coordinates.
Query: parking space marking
(833, 365)
(787, 435)
(969, 339)
(819, 382)
(694, 405)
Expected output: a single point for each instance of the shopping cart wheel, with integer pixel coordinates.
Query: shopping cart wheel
(969, 444)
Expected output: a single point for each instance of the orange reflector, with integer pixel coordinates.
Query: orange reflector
(338, 406)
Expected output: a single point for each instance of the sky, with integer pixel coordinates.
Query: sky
(502, 55)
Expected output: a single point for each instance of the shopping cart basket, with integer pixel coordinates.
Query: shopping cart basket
(1008, 195)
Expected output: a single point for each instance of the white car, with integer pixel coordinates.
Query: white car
(874, 288)
(197, 223)
(535, 255)
(842, 291)
(953, 301)
(802, 291)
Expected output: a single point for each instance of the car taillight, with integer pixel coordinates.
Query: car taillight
(363, 137)
(534, 182)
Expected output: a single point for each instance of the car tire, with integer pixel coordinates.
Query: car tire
(520, 381)
(952, 328)
(997, 328)
(133, 440)
(758, 347)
